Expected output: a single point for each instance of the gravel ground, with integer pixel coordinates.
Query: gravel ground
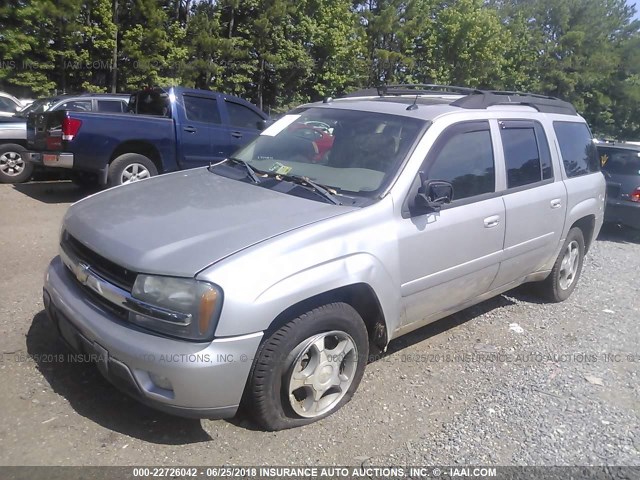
(508, 382)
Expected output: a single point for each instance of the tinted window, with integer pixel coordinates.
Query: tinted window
(521, 156)
(578, 151)
(464, 157)
(75, 105)
(243, 117)
(110, 106)
(7, 105)
(620, 161)
(151, 102)
(200, 109)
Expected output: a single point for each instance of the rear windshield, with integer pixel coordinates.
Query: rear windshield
(151, 102)
(620, 161)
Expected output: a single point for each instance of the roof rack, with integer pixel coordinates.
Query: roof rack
(422, 89)
(473, 98)
(490, 98)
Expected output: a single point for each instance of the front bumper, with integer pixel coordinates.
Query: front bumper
(207, 379)
(624, 212)
(55, 160)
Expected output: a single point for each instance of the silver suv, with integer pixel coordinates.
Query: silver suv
(270, 277)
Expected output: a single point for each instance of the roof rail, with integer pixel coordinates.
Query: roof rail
(473, 98)
(488, 98)
(423, 88)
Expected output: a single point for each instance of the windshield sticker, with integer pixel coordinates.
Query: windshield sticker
(280, 169)
(280, 125)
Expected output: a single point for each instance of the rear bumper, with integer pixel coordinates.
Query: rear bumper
(207, 379)
(623, 212)
(55, 160)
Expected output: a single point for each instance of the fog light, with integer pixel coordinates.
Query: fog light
(160, 381)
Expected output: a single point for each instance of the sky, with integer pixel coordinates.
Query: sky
(637, 4)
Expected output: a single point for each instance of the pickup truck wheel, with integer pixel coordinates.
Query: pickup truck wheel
(129, 168)
(308, 368)
(565, 274)
(13, 167)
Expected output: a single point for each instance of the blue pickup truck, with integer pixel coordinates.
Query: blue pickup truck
(164, 130)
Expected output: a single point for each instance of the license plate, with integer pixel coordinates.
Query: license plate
(49, 159)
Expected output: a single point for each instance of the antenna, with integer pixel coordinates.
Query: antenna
(414, 105)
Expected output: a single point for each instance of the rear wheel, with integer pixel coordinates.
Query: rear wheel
(565, 274)
(308, 368)
(13, 166)
(129, 168)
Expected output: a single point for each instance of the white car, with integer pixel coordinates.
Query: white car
(9, 105)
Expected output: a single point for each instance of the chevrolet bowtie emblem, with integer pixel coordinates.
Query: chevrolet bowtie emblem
(82, 273)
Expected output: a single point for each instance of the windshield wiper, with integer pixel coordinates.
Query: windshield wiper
(251, 172)
(315, 187)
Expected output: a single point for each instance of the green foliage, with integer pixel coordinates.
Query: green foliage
(279, 53)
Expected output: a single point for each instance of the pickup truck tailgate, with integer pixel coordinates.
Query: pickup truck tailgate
(42, 125)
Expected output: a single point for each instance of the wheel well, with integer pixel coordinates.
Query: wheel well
(360, 296)
(22, 143)
(141, 148)
(587, 225)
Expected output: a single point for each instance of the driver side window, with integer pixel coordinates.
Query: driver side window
(463, 156)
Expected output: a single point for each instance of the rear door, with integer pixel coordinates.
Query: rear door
(535, 200)
(244, 124)
(201, 131)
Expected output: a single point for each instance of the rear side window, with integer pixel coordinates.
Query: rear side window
(576, 146)
(526, 153)
(76, 106)
(463, 156)
(200, 109)
(243, 117)
(620, 161)
(110, 106)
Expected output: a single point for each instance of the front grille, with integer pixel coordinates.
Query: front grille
(108, 270)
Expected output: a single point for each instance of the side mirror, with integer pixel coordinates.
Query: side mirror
(433, 194)
(263, 124)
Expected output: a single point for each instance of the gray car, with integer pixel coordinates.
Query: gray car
(621, 167)
(271, 277)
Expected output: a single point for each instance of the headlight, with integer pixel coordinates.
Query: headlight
(181, 307)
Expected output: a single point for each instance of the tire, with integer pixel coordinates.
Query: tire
(560, 283)
(275, 399)
(13, 167)
(129, 163)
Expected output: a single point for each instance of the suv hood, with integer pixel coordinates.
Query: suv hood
(180, 223)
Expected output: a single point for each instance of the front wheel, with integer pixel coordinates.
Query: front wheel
(562, 281)
(129, 168)
(13, 167)
(308, 368)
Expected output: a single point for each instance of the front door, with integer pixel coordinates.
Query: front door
(201, 132)
(452, 256)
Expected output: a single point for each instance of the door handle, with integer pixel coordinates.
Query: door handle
(492, 221)
(236, 134)
(190, 129)
(556, 203)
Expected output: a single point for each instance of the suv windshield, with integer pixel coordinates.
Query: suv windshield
(353, 152)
